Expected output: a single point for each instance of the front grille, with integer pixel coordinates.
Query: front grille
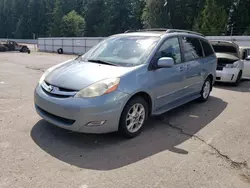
(55, 95)
(58, 92)
(62, 89)
(220, 67)
(62, 120)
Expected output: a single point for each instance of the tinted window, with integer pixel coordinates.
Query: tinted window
(191, 48)
(170, 48)
(207, 48)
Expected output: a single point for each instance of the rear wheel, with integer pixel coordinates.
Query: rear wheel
(133, 117)
(206, 90)
(24, 49)
(237, 82)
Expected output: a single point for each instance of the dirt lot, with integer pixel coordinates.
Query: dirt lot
(195, 146)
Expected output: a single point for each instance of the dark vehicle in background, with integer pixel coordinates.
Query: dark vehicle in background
(3, 48)
(13, 46)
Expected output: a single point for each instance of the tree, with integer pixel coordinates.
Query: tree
(155, 14)
(22, 18)
(240, 17)
(23, 14)
(136, 13)
(117, 16)
(94, 14)
(54, 28)
(72, 25)
(213, 19)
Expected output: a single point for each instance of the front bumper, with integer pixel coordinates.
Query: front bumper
(227, 75)
(75, 113)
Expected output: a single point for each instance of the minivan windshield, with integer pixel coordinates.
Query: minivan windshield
(122, 50)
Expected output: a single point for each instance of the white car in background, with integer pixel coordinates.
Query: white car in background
(245, 55)
(230, 65)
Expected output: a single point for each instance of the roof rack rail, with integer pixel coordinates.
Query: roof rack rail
(130, 31)
(183, 31)
(166, 30)
(154, 29)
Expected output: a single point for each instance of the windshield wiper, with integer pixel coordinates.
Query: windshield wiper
(101, 62)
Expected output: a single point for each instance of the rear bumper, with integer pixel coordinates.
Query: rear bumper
(75, 113)
(227, 75)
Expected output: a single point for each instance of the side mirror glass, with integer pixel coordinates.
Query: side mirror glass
(165, 62)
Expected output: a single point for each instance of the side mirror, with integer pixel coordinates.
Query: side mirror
(165, 62)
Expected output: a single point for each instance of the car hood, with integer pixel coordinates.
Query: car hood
(226, 47)
(226, 56)
(76, 75)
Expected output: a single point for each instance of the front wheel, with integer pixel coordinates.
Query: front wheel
(133, 117)
(237, 82)
(206, 90)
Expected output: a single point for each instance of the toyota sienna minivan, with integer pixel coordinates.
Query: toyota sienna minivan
(125, 79)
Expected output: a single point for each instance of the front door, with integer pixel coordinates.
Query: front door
(168, 83)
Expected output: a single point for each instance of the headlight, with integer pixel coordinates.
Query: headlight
(99, 88)
(234, 65)
(50, 70)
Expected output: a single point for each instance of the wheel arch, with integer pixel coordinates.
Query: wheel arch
(211, 77)
(146, 96)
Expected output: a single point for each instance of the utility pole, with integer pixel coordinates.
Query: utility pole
(34, 37)
(232, 29)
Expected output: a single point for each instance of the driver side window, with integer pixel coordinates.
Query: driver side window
(170, 48)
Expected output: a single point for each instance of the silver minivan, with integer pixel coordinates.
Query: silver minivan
(125, 79)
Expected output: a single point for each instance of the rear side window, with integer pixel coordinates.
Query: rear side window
(191, 48)
(207, 48)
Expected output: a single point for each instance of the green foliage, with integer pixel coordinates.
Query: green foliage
(94, 14)
(72, 25)
(155, 14)
(118, 16)
(213, 19)
(45, 18)
(240, 17)
(57, 15)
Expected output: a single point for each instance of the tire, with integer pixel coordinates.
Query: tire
(24, 49)
(237, 82)
(125, 123)
(60, 51)
(206, 90)
(28, 51)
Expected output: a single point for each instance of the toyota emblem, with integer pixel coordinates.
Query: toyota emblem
(50, 88)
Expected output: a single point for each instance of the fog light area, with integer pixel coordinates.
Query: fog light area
(95, 123)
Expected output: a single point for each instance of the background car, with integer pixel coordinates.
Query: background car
(3, 48)
(230, 66)
(125, 79)
(14, 46)
(245, 55)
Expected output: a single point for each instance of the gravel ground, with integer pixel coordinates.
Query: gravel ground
(194, 146)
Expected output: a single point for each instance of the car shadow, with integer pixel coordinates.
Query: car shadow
(110, 151)
(243, 87)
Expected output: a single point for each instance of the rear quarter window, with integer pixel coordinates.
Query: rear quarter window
(207, 48)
